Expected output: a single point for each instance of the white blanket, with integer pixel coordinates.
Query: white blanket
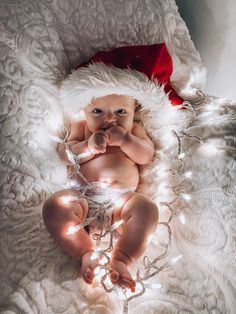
(40, 42)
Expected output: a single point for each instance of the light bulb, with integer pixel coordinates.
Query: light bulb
(209, 148)
(118, 202)
(163, 189)
(73, 229)
(162, 172)
(70, 157)
(188, 174)
(69, 198)
(181, 156)
(100, 274)
(117, 224)
(150, 237)
(154, 286)
(139, 287)
(55, 139)
(94, 256)
(97, 270)
(182, 218)
(108, 282)
(175, 260)
(79, 115)
(186, 197)
(103, 261)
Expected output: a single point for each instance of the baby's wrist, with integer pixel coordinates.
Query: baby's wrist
(125, 139)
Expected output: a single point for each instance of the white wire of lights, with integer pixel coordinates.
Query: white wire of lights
(152, 268)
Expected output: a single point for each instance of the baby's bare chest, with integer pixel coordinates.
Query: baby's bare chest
(112, 167)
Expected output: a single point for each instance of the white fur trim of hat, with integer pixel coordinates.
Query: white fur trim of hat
(98, 79)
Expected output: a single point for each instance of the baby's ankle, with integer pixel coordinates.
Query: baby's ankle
(121, 256)
(85, 254)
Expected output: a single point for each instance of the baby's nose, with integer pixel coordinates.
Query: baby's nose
(110, 116)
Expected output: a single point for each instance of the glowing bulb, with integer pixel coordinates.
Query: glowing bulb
(211, 107)
(69, 198)
(186, 197)
(188, 174)
(209, 148)
(175, 260)
(78, 116)
(118, 202)
(73, 229)
(94, 256)
(97, 270)
(162, 172)
(116, 224)
(181, 156)
(99, 273)
(119, 292)
(163, 189)
(154, 286)
(83, 155)
(55, 139)
(182, 218)
(70, 157)
(103, 261)
(108, 282)
(150, 239)
(139, 287)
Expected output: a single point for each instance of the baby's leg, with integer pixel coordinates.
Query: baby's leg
(60, 212)
(140, 216)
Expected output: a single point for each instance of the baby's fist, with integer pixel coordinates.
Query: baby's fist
(97, 142)
(116, 135)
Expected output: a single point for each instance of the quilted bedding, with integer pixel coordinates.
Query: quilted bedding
(40, 42)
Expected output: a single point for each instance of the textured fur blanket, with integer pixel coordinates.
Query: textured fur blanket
(41, 41)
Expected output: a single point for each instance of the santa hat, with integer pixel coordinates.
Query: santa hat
(142, 72)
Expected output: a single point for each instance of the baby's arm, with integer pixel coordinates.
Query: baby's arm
(137, 145)
(75, 142)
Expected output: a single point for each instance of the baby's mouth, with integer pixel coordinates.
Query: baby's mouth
(107, 127)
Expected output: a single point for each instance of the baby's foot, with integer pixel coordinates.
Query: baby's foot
(120, 275)
(88, 267)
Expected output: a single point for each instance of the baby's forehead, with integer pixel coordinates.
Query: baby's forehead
(113, 100)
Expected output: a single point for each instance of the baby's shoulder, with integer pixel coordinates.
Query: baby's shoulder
(137, 126)
(78, 123)
(77, 129)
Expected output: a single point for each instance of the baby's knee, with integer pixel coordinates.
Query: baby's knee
(143, 208)
(62, 207)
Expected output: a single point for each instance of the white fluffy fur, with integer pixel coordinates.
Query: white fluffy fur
(98, 79)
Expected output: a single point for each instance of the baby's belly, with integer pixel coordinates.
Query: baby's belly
(113, 168)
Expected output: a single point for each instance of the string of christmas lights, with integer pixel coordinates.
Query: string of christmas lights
(102, 255)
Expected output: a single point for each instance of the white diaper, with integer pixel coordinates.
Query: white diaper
(101, 199)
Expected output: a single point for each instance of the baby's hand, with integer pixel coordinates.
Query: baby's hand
(97, 142)
(116, 135)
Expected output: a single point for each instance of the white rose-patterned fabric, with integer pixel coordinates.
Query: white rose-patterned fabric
(41, 41)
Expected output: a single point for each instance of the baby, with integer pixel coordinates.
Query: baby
(117, 146)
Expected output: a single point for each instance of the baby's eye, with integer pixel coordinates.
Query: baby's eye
(121, 111)
(97, 110)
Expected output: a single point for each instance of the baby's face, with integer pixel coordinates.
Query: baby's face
(112, 110)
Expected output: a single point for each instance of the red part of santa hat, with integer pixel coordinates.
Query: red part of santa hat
(152, 60)
(142, 72)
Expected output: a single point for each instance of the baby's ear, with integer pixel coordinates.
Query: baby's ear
(137, 106)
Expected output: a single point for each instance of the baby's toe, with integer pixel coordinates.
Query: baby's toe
(114, 276)
(88, 275)
(128, 281)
